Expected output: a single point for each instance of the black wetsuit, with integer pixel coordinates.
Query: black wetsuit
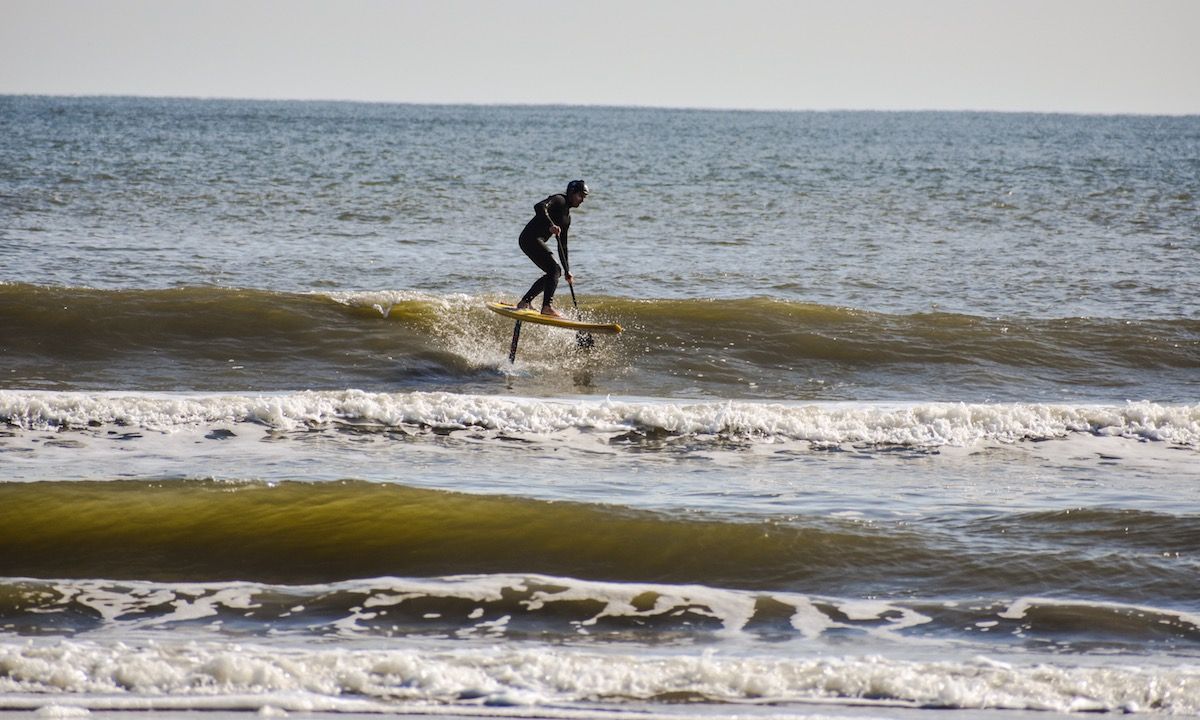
(554, 209)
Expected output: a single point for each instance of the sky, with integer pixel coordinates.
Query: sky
(1078, 56)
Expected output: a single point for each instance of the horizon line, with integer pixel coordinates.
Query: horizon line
(598, 105)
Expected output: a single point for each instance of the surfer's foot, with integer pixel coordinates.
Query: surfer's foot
(547, 310)
(523, 305)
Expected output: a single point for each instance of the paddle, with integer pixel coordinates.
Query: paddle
(582, 339)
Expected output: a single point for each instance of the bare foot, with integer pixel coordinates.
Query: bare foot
(523, 305)
(547, 310)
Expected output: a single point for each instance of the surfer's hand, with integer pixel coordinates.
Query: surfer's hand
(570, 279)
(555, 230)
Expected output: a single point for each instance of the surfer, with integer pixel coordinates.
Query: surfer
(551, 216)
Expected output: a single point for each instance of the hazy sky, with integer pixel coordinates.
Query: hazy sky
(1108, 56)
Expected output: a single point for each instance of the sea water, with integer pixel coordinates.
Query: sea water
(906, 415)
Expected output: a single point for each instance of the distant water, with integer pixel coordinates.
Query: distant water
(906, 416)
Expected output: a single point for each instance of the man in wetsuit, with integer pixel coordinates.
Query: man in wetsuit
(551, 216)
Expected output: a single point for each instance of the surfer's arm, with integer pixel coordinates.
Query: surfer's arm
(542, 210)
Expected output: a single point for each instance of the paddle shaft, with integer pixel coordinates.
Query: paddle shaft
(572, 286)
(582, 339)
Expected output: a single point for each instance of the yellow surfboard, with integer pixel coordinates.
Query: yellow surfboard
(533, 316)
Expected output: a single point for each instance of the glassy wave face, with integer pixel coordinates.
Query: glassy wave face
(253, 340)
(905, 418)
(303, 533)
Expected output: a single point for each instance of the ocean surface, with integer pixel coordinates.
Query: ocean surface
(905, 417)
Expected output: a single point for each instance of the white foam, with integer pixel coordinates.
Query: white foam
(384, 300)
(1021, 607)
(732, 609)
(61, 711)
(139, 606)
(917, 425)
(225, 675)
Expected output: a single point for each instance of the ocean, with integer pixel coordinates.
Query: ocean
(904, 423)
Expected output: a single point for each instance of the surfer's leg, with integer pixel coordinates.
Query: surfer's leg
(541, 256)
(549, 285)
(534, 291)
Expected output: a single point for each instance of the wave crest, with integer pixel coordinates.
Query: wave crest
(912, 425)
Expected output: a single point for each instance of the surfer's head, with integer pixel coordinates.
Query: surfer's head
(577, 190)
